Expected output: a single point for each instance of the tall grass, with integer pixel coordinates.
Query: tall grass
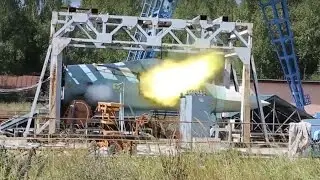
(77, 164)
(15, 107)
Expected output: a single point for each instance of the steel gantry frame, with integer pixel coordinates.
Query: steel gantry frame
(281, 35)
(117, 32)
(156, 9)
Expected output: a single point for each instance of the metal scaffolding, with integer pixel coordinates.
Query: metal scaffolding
(117, 32)
(278, 116)
(276, 17)
(155, 9)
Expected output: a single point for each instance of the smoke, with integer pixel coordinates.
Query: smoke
(97, 93)
(165, 82)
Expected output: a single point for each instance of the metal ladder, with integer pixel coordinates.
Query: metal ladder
(281, 35)
(147, 8)
(152, 8)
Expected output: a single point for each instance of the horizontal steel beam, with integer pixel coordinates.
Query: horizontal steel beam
(104, 29)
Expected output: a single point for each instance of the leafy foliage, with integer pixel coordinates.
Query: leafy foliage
(24, 35)
(25, 30)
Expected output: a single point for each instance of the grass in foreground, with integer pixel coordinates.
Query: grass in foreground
(71, 165)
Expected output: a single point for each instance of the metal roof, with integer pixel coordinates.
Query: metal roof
(285, 106)
(281, 104)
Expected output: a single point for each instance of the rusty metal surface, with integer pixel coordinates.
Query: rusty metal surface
(79, 112)
(10, 82)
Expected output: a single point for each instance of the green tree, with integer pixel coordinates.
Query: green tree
(24, 35)
(79, 55)
(304, 18)
(305, 21)
(25, 32)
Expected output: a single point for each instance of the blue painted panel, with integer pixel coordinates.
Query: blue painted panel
(317, 115)
(315, 126)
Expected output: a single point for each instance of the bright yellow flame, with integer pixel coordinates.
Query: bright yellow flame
(165, 82)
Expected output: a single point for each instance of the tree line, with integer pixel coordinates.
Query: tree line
(25, 28)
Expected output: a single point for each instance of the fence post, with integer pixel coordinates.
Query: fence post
(230, 133)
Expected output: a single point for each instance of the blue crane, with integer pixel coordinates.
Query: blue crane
(152, 8)
(281, 35)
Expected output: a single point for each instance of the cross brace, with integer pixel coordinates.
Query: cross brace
(117, 32)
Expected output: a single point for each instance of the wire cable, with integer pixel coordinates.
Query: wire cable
(14, 90)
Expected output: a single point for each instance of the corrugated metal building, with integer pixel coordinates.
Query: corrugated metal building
(17, 88)
(11, 82)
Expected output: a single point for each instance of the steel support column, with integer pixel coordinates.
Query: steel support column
(63, 23)
(256, 89)
(186, 121)
(55, 92)
(245, 104)
(227, 73)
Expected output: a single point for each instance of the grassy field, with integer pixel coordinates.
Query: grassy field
(77, 164)
(16, 107)
(20, 106)
(227, 165)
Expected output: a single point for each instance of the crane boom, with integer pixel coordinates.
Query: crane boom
(281, 35)
(152, 8)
